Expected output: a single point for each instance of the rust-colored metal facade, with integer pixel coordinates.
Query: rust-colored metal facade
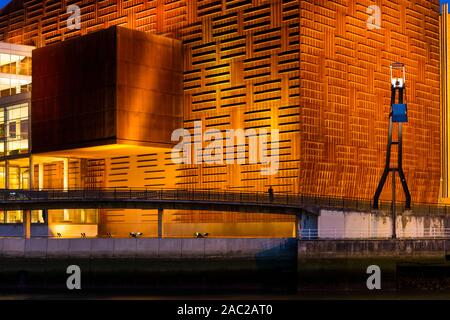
(345, 92)
(310, 68)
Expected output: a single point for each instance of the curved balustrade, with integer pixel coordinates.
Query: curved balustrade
(217, 197)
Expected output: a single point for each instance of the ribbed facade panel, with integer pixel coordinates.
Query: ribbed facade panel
(309, 68)
(345, 96)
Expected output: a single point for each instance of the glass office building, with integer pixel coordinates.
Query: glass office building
(15, 69)
(15, 95)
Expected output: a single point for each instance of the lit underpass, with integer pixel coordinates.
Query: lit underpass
(305, 211)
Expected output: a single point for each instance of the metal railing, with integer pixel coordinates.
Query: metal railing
(148, 195)
(213, 196)
(375, 233)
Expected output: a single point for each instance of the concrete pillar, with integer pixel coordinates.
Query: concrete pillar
(27, 224)
(18, 69)
(41, 176)
(66, 174)
(298, 226)
(6, 173)
(31, 173)
(83, 216)
(66, 185)
(45, 215)
(160, 223)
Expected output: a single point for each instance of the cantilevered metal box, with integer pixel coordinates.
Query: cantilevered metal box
(115, 86)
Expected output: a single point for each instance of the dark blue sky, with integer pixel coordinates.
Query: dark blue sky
(3, 2)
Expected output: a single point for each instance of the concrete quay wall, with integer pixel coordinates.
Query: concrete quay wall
(147, 248)
(394, 249)
(223, 264)
(182, 248)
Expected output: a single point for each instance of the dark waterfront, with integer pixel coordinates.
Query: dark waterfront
(231, 297)
(229, 269)
(321, 279)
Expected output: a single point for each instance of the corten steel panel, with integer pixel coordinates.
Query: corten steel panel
(73, 93)
(112, 86)
(149, 88)
(345, 95)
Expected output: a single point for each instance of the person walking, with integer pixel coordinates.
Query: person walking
(270, 194)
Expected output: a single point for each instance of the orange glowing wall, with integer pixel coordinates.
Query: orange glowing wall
(241, 68)
(345, 95)
(309, 68)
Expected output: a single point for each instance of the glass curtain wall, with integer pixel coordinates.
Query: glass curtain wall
(15, 88)
(16, 133)
(15, 74)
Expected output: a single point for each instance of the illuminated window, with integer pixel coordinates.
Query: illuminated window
(11, 217)
(2, 132)
(17, 126)
(15, 216)
(18, 173)
(2, 175)
(12, 130)
(73, 216)
(15, 74)
(37, 216)
(24, 129)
